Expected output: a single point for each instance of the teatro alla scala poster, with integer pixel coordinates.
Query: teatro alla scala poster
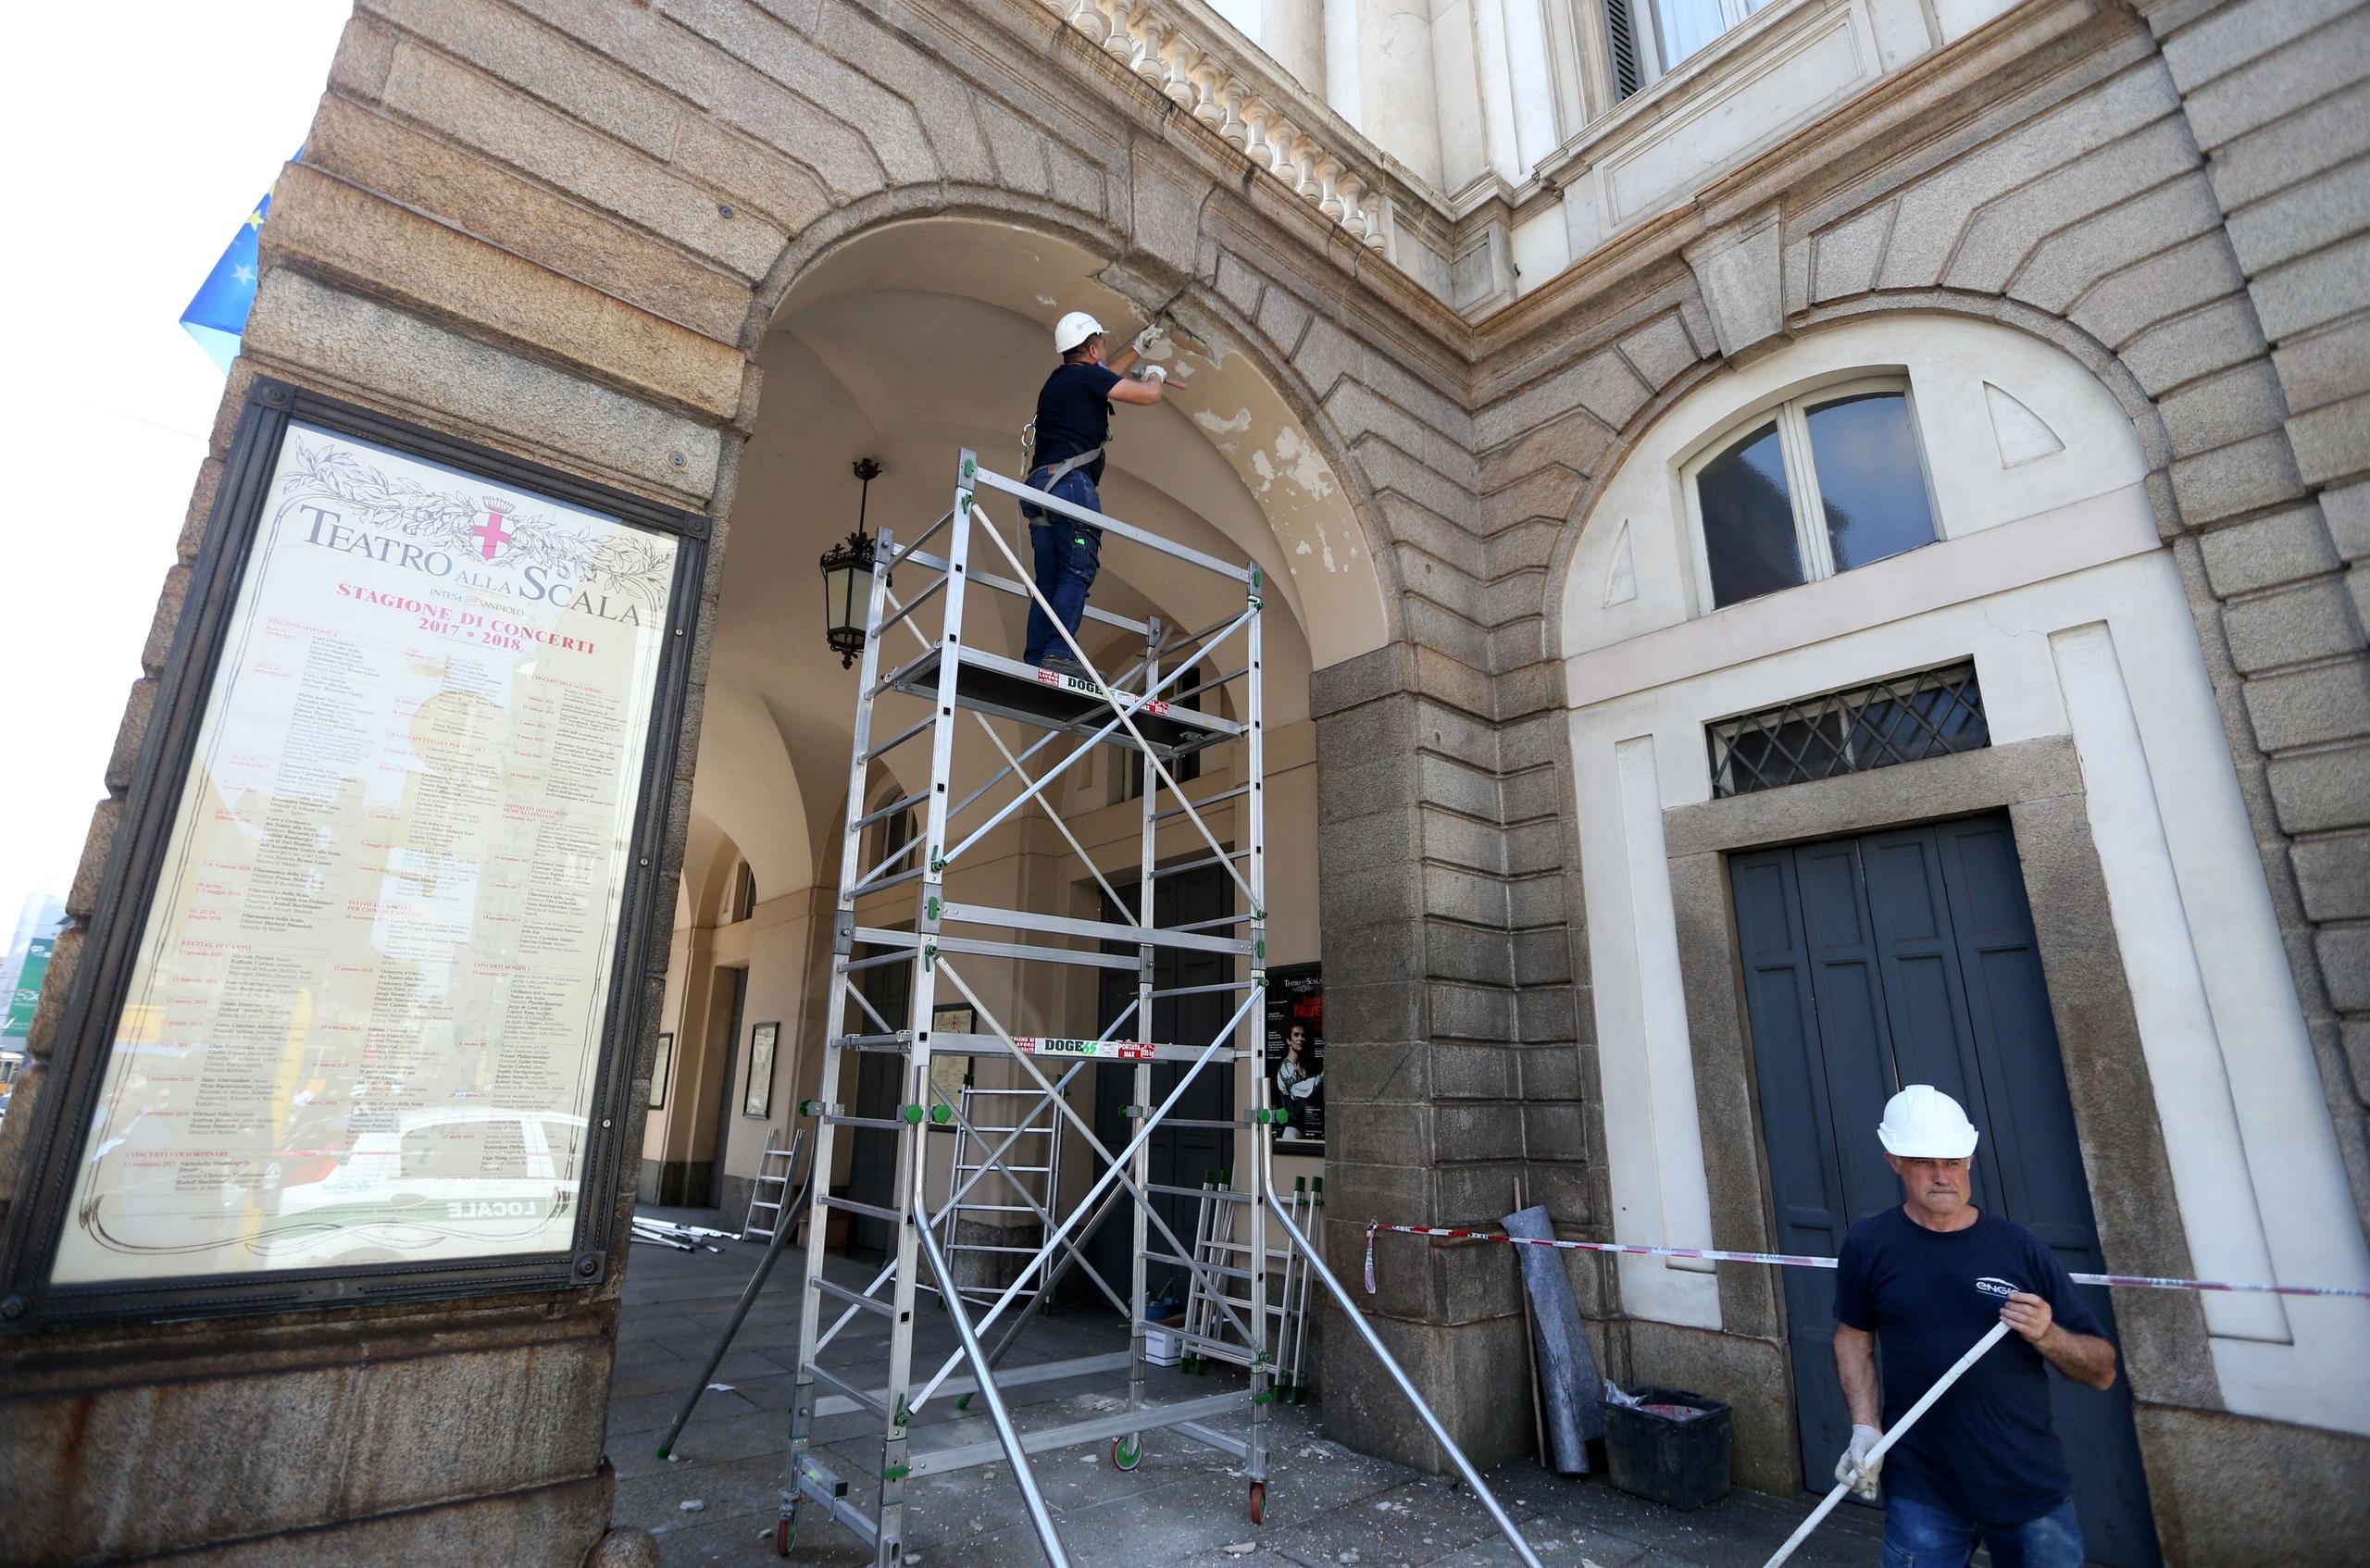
(368, 1001)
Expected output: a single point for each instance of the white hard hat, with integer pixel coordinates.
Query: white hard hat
(1922, 1123)
(1073, 329)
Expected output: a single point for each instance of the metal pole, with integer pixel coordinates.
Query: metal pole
(827, 1087)
(784, 1226)
(1253, 1043)
(1924, 1402)
(1038, 1513)
(1423, 1411)
(1139, 1080)
(912, 1149)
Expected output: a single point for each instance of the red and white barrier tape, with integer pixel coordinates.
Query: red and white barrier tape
(1791, 1259)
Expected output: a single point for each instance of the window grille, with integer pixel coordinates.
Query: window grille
(1907, 718)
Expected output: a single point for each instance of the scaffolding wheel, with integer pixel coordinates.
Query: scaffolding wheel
(1258, 1500)
(785, 1533)
(1128, 1452)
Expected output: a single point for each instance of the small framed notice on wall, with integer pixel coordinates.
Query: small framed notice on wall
(660, 1066)
(759, 1100)
(947, 1073)
(358, 1009)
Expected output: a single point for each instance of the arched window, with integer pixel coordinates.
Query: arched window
(1816, 486)
(744, 894)
(888, 835)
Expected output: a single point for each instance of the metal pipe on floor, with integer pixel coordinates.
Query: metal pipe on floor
(1423, 1411)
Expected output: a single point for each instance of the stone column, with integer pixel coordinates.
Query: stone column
(1399, 100)
(1447, 1087)
(1293, 32)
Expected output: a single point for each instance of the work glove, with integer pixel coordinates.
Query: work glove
(1150, 339)
(1151, 373)
(1855, 1469)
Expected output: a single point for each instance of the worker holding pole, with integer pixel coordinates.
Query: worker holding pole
(1072, 426)
(1922, 1283)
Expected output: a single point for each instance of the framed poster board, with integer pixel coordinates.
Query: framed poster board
(355, 1017)
(661, 1065)
(757, 1098)
(1295, 1056)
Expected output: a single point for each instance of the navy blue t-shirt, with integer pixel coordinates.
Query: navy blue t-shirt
(1074, 416)
(1986, 1452)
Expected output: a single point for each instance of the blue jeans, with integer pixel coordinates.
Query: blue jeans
(1068, 555)
(1921, 1535)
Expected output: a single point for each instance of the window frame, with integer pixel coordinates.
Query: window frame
(1128, 773)
(1791, 416)
(1652, 51)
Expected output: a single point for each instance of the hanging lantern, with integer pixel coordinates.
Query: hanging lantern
(847, 578)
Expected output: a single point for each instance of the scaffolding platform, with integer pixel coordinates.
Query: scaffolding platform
(1142, 709)
(991, 683)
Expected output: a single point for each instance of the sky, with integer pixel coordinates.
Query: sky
(138, 138)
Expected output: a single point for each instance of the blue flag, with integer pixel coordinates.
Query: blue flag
(218, 315)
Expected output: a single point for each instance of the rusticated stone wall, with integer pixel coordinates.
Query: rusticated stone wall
(561, 227)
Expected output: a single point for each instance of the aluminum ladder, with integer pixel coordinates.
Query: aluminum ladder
(774, 1166)
(1038, 1197)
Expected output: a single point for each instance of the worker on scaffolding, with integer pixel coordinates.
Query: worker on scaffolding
(1925, 1281)
(1073, 424)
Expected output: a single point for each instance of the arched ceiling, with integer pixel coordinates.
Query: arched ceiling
(908, 346)
(1027, 280)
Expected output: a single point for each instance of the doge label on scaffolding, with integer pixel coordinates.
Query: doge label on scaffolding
(1120, 1050)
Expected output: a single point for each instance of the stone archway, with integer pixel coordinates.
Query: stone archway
(908, 342)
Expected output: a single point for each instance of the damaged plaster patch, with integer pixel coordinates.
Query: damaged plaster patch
(1308, 470)
(1216, 426)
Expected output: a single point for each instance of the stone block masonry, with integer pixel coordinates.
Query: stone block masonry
(562, 228)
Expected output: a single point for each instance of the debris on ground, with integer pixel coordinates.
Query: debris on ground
(681, 1238)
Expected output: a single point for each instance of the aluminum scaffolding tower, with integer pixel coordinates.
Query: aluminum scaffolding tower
(1140, 711)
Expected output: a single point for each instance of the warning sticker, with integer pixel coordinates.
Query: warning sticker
(1084, 687)
(1121, 1049)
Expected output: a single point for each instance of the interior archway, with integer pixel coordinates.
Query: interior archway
(910, 344)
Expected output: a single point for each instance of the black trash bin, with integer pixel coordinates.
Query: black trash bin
(1680, 1463)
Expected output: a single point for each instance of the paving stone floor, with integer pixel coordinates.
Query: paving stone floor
(1183, 1507)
